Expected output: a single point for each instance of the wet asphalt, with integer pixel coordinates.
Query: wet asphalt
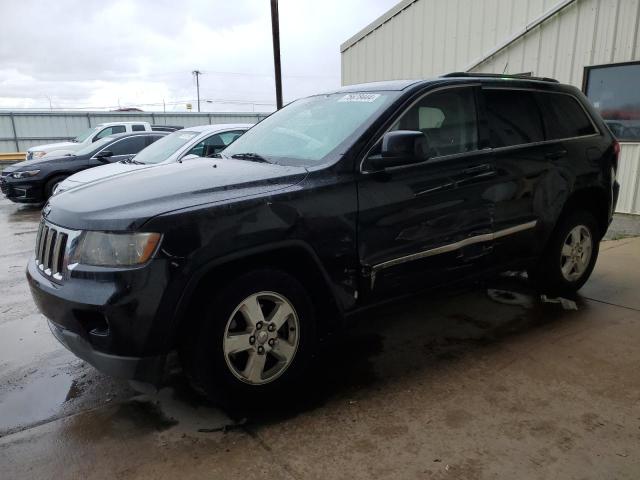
(490, 381)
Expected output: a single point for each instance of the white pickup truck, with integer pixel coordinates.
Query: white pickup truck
(85, 138)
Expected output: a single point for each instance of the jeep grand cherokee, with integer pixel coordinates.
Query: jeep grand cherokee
(335, 203)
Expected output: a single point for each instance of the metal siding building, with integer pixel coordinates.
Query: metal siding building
(550, 38)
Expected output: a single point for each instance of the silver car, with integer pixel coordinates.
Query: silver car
(187, 144)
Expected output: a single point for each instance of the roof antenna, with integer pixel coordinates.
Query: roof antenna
(505, 67)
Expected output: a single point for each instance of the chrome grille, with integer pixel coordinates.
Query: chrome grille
(53, 245)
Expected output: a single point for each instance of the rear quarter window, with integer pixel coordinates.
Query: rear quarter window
(513, 116)
(137, 128)
(563, 116)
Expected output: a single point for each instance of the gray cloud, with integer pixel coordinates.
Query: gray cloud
(89, 53)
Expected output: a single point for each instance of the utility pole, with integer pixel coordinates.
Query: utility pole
(275, 32)
(197, 73)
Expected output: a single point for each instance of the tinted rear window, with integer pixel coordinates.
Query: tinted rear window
(514, 118)
(563, 116)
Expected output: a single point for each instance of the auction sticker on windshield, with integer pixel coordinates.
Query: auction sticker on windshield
(359, 97)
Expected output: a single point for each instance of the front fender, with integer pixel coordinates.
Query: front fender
(296, 251)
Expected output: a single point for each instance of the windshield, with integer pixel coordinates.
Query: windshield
(308, 130)
(162, 149)
(92, 147)
(84, 135)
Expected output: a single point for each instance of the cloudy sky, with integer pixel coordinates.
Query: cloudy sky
(89, 53)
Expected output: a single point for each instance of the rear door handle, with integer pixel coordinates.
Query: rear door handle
(485, 167)
(556, 155)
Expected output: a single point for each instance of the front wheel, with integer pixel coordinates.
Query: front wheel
(570, 256)
(254, 340)
(51, 185)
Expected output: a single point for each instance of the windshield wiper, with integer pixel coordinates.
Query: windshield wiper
(131, 160)
(253, 157)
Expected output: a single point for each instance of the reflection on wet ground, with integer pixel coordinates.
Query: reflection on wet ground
(38, 400)
(22, 213)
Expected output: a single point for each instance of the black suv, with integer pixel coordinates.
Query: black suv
(333, 204)
(34, 181)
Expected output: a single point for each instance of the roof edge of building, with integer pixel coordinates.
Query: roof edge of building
(378, 22)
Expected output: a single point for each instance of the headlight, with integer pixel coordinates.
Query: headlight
(38, 154)
(115, 249)
(57, 189)
(25, 174)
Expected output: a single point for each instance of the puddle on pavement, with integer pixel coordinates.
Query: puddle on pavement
(24, 213)
(509, 297)
(39, 400)
(24, 340)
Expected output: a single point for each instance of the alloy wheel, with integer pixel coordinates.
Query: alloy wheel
(576, 253)
(261, 338)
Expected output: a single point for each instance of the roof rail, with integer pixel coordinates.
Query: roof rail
(518, 76)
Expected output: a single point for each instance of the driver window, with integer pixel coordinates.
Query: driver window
(447, 119)
(214, 144)
(109, 131)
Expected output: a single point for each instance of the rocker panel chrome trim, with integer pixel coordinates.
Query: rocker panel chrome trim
(485, 237)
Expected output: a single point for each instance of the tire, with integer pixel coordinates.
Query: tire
(51, 184)
(226, 378)
(566, 264)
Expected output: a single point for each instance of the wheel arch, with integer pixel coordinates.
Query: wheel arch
(294, 257)
(592, 199)
(51, 176)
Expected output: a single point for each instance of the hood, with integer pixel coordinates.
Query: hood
(103, 171)
(37, 162)
(125, 202)
(50, 147)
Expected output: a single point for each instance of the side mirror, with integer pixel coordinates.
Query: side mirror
(104, 155)
(190, 156)
(400, 147)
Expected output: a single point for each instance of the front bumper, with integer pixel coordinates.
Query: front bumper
(144, 369)
(21, 191)
(107, 317)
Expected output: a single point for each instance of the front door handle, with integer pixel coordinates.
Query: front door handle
(556, 155)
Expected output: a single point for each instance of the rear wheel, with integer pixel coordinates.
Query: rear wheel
(570, 256)
(254, 340)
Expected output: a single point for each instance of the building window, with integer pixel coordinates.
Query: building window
(613, 90)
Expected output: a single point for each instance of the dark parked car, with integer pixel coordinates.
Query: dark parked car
(33, 181)
(329, 206)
